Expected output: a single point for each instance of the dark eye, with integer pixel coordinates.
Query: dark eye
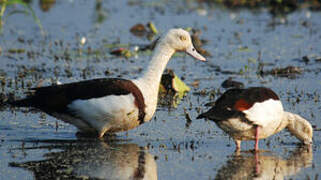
(193, 49)
(182, 38)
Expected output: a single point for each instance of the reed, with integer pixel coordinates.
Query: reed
(27, 10)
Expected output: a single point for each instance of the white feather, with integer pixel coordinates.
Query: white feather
(265, 113)
(105, 112)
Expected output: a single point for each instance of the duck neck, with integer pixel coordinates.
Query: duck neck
(156, 67)
(299, 127)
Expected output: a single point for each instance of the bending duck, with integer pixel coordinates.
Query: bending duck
(255, 113)
(110, 105)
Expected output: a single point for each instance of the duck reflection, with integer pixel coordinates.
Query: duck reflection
(264, 165)
(92, 160)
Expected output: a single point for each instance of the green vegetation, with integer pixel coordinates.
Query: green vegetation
(26, 10)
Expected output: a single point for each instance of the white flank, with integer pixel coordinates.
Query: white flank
(234, 125)
(105, 112)
(266, 113)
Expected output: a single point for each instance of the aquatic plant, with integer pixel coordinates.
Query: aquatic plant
(26, 10)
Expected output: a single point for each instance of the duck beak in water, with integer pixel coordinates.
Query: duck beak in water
(192, 52)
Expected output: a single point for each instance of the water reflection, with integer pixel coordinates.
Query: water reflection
(93, 160)
(263, 165)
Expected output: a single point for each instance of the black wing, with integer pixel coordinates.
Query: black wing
(56, 98)
(223, 108)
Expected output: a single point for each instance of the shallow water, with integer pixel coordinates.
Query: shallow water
(31, 143)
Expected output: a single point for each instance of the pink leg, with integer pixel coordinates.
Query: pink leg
(257, 138)
(257, 163)
(238, 145)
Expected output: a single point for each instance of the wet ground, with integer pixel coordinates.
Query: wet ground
(241, 41)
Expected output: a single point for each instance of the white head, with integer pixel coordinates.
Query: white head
(180, 40)
(299, 127)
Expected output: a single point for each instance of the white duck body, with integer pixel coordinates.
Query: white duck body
(267, 115)
(256, 113)
(111, 105)
(119, 111)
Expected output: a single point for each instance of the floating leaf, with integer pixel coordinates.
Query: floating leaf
(289, 70)
(179, 85)
(46, 5)
(172, 89)
(121, 52)
(152, 27)
(138, 30)
(172, 83)
(16, 51)
(244, 49)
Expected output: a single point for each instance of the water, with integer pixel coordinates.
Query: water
(33, 144)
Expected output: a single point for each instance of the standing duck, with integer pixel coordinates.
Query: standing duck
(110, 105)
(255, 113)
